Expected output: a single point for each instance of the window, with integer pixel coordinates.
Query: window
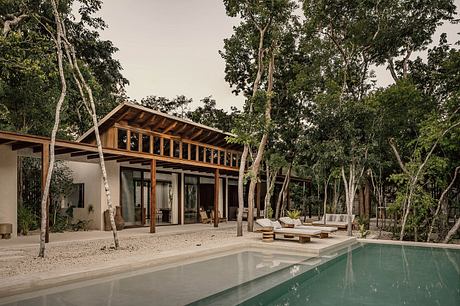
(166, 147)
(145, 143)
(122, 139)
(176, 149)
(193, 152)
(228, 161)
(156, 145)
(77, 196)
(215, 156)
(185, 151)
(208, 155)
(222, 157)
(201, 154)
(134, 141)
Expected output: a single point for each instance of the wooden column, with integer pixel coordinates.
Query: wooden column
(153, 194)
(258, 185)
(45, 166)
(216, 197)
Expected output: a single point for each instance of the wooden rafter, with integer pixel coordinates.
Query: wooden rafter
(170, 127)
(148, 121)
(158, 124)
(182, 129)
(194, 136)
(200, 139)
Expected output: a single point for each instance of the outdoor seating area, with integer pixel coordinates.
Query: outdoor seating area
(296, 223)
(272, 228)
(335, 220)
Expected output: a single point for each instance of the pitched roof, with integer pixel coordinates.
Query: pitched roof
(138, 115)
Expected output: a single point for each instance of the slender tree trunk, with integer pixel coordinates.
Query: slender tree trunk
(286, 193)
(280, 196)
(452, 231)
(413, 179)
(351, 185)
(239, 217)
(87, 97)
(263, 142)
(244, 156)
(335, 197)
(44, 200)
(326, 184)
(271, 180)
(440, 201)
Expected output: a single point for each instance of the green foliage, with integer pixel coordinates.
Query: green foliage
(269, 212)
(294, 214)
(27, 220)
(363, 231)
(29, 80)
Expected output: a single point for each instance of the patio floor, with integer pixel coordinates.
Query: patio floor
(33, 239)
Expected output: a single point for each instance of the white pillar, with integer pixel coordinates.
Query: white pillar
(182, 198)
(8, 187)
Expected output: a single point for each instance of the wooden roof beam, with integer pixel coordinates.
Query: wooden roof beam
(182, 129)
(137, 161)
(170, 127)
(22, 145)
(158, 124)
(66, 151)
(197, 134)
(82, 153)
(148, 121)
(200, 139)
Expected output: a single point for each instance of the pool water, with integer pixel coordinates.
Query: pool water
(374, 274)
(176, 284)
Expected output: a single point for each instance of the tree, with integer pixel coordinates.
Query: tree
(44, 30)
(256, 41)
(28, 78)
(208, 114)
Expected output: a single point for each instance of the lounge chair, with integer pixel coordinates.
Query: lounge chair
(303, 234)
(221, 219)
(335, 220)
(204, 217)
(296, 223)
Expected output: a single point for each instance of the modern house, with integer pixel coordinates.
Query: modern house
(192, 167)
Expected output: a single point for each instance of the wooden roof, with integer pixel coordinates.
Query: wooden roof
(19, 141)
(138, 116)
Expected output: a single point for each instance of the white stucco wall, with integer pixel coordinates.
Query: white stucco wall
(8, 187)
(113, 175)
(88, 174)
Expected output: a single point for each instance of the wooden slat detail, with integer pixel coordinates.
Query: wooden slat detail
(170, 127)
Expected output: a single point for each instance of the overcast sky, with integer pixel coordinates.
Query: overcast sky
(170, 47)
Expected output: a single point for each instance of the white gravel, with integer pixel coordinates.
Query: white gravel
(70, 255)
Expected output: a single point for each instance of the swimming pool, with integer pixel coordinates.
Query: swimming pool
(361, 274)
(371, 274)
(173, 284)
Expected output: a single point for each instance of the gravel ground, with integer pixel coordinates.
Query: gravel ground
(23, 261)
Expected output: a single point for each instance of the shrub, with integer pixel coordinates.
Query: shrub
(294, 214)
(27, 220)
(269, 212)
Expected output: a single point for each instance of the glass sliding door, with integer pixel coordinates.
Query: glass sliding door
(191, 199)
(164, 202)
(135, 198)
(131, 196)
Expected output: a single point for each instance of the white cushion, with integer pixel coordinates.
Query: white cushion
(286, 220)
(265, 222)
(276, 225)
(297, 222)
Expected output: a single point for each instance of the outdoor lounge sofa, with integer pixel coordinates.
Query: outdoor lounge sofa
(275, 228)
(296, 223)
(335, 220)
